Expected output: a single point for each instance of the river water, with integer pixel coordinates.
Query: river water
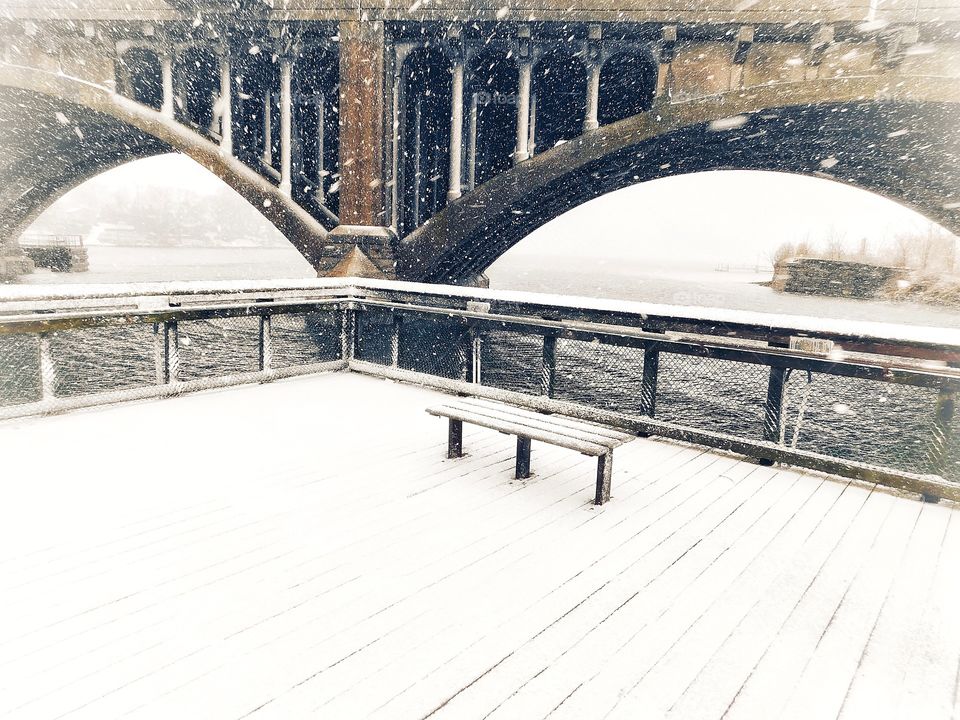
(860, 420)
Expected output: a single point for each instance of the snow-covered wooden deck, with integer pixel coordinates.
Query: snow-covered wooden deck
(303, 549)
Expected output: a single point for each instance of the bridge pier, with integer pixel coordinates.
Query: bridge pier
(363, 195)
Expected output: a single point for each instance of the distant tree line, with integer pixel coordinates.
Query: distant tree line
(930, 252)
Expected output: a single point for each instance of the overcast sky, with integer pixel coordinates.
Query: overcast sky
(729, 216)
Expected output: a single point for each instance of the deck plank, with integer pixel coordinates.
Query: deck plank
(338, 565)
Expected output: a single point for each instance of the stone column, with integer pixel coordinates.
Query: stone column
(591, 119)
(472, 143)
(532, 139)
(594, 63)
(321, 147)
(456, 133)
(417, 159)
(665, 53)
(226, 102)
(166, 70)
(740, 51)
(286, 125)
(523, 112)
(268, 125)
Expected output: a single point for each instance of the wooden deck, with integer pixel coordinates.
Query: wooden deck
(303, 549)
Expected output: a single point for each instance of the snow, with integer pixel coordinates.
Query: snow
(321, 571)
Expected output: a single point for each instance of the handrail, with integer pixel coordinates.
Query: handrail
(921, 358)
(930, 343)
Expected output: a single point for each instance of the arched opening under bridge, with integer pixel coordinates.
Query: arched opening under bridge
(718, 238)
(164, 218)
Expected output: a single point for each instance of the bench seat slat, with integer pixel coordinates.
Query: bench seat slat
(580, 425)
(515, 428)
(541, 422)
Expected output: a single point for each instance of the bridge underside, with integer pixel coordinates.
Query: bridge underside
(424, 144)
(903, 151)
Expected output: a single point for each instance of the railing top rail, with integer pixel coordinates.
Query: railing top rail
(37, 240)
(932, 343)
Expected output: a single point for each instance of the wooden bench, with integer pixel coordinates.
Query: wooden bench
(588, 438)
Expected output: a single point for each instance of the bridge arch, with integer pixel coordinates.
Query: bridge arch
(894, 139)
(59, 131)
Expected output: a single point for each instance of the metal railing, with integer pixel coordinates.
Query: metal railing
(857, 399)
(42, 241)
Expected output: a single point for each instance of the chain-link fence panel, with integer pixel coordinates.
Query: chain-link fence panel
(103, 359)
(305, 338)
(374, 336)
(602, 376)
(434, 344)
(708, 394)
(511, 361)
(863, 420)
(218, 347)
(19, 369)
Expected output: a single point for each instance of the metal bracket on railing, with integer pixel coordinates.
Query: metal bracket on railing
(816, 346)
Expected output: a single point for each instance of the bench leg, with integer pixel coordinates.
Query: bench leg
(523, 458)
(604, 475)
(455, 439)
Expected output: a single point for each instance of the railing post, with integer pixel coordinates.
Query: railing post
(171, 352)
(773, 409)
(48, 371)
(648, 385)
(940, 433)
(348, 334)
(266, 344)
(471, 365)
(548, 370)
(395, 339)
(159, 365)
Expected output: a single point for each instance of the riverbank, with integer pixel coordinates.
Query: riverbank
(635, 280)
(614, 278)
(940, 291)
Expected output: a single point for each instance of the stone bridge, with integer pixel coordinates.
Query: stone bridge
(424, 140)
